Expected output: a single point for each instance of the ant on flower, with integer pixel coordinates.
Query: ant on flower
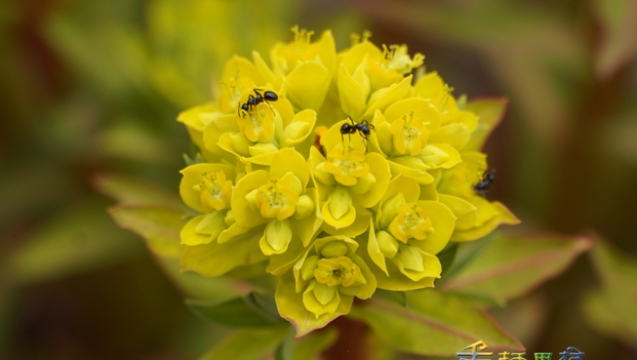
(364, 129)
(487, 179)
(258, 98)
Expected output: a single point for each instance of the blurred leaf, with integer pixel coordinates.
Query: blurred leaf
(434, 323)
(248, 344)
(159, 226)
(310, 346)
(235, 312)
(514, 264)
(128, 140)
(264, 304)
(75, 241)
(611, 315)
(618, 28)
(465, 252)
(286, 349)
(524, 318)
(612, 310)
(490, 113)
(398, 297)
(134, 191)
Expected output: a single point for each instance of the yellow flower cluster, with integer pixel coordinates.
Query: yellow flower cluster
(339, 173)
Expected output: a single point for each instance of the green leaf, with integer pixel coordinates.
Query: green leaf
(248, 344)
(74, 241)
(465, 253)
(612, 310)
(195, 286)
(310, 346)
(263, 304)
(433, 323)
(399, 297)
(159, 226)
(133, 191)
(490, 113)
(234, 312)
(514, 264)
(286, 349)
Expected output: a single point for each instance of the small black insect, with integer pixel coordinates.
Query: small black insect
(258, 98)
(364, 129)
(483, 185)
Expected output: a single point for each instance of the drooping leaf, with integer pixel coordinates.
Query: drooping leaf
(133, 191)
(248, 344)
(612, 309)
(234, 312)
(433, 323)
(490, 113)
(159, 226)
(514, 264)
(77, 240)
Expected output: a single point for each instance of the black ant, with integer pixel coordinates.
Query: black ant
(487, 179)
(257, 99)
(364, 128)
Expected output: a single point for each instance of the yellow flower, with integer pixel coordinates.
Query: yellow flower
(326, 279)
(348, 181)
(391, 168)
(280, 199)
(306, 67)
(477, 217)
(409, 231)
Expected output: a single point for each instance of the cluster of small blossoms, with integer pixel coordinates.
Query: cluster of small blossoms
(338, 173)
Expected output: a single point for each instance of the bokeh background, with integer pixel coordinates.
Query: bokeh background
(94, 87)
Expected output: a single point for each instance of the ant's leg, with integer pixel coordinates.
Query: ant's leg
(343, 143)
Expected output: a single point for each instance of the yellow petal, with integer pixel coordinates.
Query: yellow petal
(307, 85)
(277, 237)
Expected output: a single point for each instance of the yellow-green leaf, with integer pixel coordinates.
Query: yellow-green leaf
(514, 264)
(159, 226)
(433, 323)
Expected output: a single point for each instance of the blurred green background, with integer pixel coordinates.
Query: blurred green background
(94, 87)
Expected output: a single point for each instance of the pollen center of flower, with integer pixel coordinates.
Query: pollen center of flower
(347, 167)
(411, 223)
(215, 191)
(410, 135)
(276, 199)
(258, 123)
(337, 271)
(396, 58)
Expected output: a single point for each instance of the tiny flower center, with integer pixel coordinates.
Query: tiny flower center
(215, 191)
(258, 123)
(337, 271)
(276, 199)
(411, 223)
(347, 166)
(396, 58)
(410, 134)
